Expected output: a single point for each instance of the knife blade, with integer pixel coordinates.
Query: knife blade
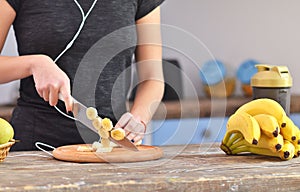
(79, 113)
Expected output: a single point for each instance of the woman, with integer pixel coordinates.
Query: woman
(54, 39)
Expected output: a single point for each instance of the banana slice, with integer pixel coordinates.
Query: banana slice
(117, 134)
(139, 142)
(103, 133)
(96, 145)
(91, 113)
(85, 149)
(107, 124)
(104, 149)
(97, 123)
(105, 142)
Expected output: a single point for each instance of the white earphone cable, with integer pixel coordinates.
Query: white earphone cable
(69, 45)
(84, 17)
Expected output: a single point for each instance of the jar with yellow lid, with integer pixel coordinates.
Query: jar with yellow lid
(273, 82)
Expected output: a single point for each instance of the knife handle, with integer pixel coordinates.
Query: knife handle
(60, 97)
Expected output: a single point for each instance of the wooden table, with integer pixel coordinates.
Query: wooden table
(183, 168)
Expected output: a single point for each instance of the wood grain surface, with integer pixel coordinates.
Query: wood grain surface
(189, 168)
(117, 155)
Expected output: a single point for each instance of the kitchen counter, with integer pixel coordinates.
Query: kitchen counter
(182, 168)
(204, 107)
(191, 108)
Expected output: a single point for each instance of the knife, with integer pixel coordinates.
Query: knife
(79, 112)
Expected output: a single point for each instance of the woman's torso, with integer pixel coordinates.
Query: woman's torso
(104, 48)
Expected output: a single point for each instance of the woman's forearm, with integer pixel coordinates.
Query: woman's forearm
(49, 79)
(149, 66)
(148, 96)
(16, 67)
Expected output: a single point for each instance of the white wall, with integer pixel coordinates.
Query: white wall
(9, 91)
(231, 30)
(235, 30)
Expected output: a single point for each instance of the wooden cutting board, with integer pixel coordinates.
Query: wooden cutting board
(117, 155)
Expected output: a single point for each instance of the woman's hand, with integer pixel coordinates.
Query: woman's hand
(134, 128)
(48, 77)
(50, 80)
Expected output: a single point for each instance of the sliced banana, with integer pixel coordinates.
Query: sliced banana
(107, 124)
(103, 133)
(91, 113)
(139, 142)
(105, 142)
(104, 149)
(85, 149)
(96, 145)
(112, 144)
(104, 127)
(117, 134)
(97, 123)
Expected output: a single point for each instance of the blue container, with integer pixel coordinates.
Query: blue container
(246, 70)
(212, 72)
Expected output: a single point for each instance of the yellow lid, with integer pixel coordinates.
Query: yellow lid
(271, 76)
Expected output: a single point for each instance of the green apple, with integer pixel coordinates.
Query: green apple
(6, 131)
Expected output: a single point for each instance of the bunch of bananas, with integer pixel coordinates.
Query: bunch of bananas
(262, 127)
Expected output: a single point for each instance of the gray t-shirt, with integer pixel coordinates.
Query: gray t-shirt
(97, 63)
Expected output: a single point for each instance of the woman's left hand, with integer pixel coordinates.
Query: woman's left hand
(134, 128)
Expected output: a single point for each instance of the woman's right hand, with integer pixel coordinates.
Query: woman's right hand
(48, 77)
(50, 80)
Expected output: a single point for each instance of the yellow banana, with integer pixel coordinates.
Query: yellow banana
(91, 113)
(225, 149)
(140, 142)
(104, 149)
(85, 149)
(290, 130)
(245, 124)
(268, 124)
(97, 123)
(297, 150)
(96, 145)
(107, 124)
(232, 138)
(265, 106)
(297, 141)
(117, 134)
(274, 144)
(235, 137)
(105, 142)
(105, 145)
(103, 133)
(286, 153)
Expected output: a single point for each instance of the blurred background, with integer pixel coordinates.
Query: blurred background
(235, 31)
(232, 33)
